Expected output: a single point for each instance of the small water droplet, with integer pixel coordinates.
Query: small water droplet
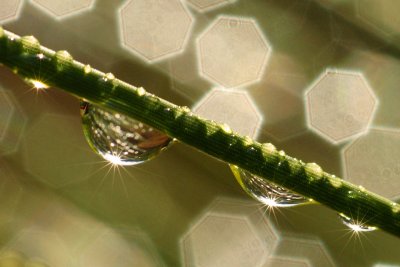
(266, 192)
(351, 194)
(87, 69)
(108, 77)
(282, 153)
(247, 140)
(361, 188)
(395, 207)
(40, 56)
(62, 60)
(356, 226)
(313, 170)
(225, 127)
(63, 56)
(185, 109)
(120, 139)
(268, 148)
(30, 43)
(335, 182)
(140, 91)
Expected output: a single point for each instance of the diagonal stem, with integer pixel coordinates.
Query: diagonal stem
(24, 55)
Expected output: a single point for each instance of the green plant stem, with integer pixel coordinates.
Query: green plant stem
(25, 56)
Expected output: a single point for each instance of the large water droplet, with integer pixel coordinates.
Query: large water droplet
(266, 192)
(356, 226)
(120, 139)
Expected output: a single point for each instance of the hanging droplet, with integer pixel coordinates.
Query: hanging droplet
(356, 226)
(120, 139)
(266, 192)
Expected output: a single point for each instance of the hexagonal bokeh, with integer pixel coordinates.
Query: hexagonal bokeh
(385, 265)
(307, 249)
(231, 233)
(61, 8)
(12, 123)
(279, 97)
(286, 262)
(155, 29)
(372, 161)
(340, 105)
(41, 245)
(111, 248)
(6, 113)
(232, 107)
(185, 76)
(9, 9)
(381, 14)
(10, 194)
(233, 52)
(56, 152)
(206, 5)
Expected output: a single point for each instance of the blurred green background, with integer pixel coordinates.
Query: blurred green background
(318, 78)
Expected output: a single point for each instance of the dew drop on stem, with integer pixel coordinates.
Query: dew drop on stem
(266, 192)
(120, 139)
(356, 225)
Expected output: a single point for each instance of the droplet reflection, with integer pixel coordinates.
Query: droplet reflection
(355, 225)
(36, 84)
(119, 139)
(266, 192)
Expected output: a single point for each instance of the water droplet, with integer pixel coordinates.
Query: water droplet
(64, 56)
(282, 153)
(36, 84)
(225, 127)
(62, 59)
(356, 226)
(266, 192)
(335, 182)
(120, 139)
(395, 207)
(140, 91)
(30, 43)
(40, 56)
(108, 77)
(185, 109)
(268, 148)
(87, 69)
(247, 140)
(313, 171)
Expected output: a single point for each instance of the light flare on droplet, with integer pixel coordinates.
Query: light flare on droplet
(355, 224)
(120, 139)
(266, 192)
(36, 84)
